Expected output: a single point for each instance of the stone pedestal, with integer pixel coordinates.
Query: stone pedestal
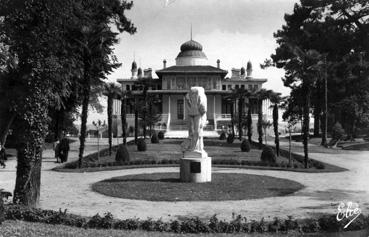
(195, 169)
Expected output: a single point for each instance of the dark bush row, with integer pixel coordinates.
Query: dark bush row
(167, 162)
(253, 163)
(215, 162)
(299, 158)
(188, 225)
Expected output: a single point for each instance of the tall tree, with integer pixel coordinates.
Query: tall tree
(249, 124)
(96, 38)
(241, 94)
(35, 33)
(261, 95)
(276, 99)
(112, 91)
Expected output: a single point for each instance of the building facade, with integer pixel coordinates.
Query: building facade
(172, 83)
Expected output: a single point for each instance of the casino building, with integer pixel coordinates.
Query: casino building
(173, 82)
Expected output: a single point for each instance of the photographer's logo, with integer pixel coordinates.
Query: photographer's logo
(350, 211)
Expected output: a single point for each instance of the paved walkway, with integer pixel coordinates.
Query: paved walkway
(322, 194)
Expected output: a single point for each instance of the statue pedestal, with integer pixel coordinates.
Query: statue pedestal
(195, 169)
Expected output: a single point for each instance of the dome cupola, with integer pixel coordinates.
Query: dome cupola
(191, 45)
(191, 54)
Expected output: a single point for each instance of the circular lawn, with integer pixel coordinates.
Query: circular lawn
(167, 187)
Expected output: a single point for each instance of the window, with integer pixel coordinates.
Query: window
(128, 87)
(237, 86)
(256, 87)
(229, 87)
(242, 86)
(224, 87)
(250, 87)
(168, 84)
(180, 109)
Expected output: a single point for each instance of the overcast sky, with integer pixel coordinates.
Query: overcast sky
(233, 31)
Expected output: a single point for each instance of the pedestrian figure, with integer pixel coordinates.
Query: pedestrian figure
(2, 155)
(57, 151)
(64, 149)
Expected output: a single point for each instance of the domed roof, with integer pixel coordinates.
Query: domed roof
(191, 45)
(191, 49)
(191, 54)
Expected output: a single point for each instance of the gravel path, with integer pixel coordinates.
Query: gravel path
(322, 194)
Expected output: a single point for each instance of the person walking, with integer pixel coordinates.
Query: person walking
(64, 149)
(2, 156)
(57, 150)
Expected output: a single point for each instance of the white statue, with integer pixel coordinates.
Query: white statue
(196, 106)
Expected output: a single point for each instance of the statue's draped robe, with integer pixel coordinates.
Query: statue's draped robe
(196, 106)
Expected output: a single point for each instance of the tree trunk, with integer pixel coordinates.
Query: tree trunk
(232, 118)
(260, 127)
(136, 121)
(275, 126)
(317, 111)
(124, 120)
(59, 124)
(249, 125)
(31, 132)
(240, 104)
(110, 121)
(289, 147)
(150, 125)
(27, 184)
(325, 110)
(306, 124)
(85, 102)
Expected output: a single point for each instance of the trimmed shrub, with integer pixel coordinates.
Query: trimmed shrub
(161, 135)
(141, 144)
(268, 155)
(122, 155)
(222, 136)
(154, 138)
(337, 131)
(245, 146)
(230, 139)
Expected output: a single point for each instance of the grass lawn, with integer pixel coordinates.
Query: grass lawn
(168, 153)
(170, 149)
(167, 187)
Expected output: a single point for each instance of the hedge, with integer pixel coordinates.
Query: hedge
(237, 224)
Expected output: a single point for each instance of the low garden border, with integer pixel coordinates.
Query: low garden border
(238, 224)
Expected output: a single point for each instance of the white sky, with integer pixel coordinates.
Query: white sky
(233, 31)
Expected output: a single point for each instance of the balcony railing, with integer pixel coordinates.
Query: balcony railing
(164, 117)
(223, 117)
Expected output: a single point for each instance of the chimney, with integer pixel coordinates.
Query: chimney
(164, 63)
(148, 73)
(218, 63)
(235, 73)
